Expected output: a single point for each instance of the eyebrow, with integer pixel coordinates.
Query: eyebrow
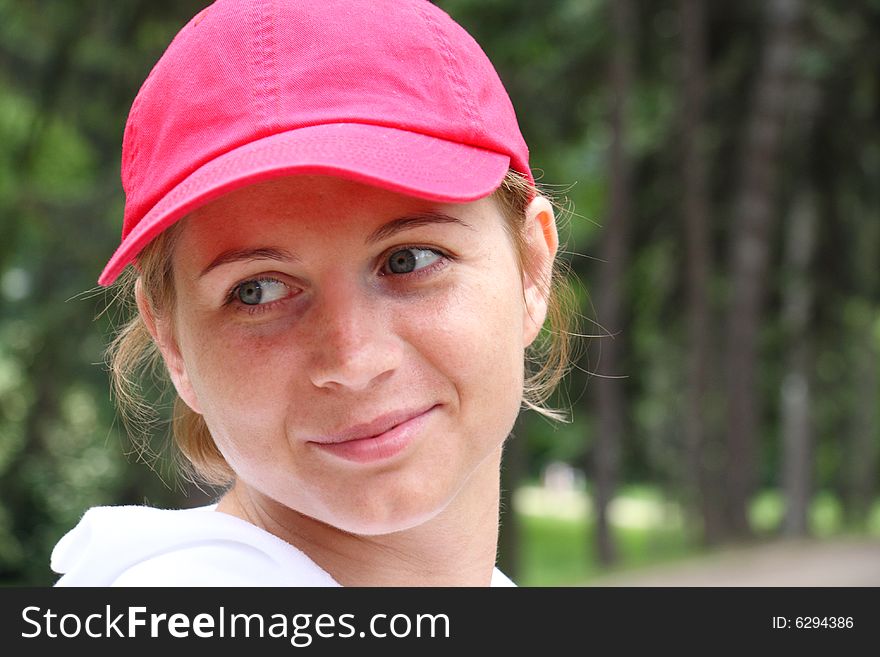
(413, 221)
(383, 232)
(248, 255)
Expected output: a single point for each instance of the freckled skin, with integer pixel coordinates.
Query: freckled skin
(350, 344)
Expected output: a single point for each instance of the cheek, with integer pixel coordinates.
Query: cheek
(474, 339)
(237, 375)
(244, 386)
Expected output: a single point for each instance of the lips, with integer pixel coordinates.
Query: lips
(379, 439)
(371, 429)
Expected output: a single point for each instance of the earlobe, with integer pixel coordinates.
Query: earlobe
(160, 328)
(542, 242)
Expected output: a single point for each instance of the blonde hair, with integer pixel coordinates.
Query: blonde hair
(132, 354)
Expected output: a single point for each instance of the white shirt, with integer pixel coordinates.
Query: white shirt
(144, 546)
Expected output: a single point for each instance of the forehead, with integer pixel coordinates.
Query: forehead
(323, 208)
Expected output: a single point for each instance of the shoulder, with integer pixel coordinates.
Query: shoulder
(144, 546)
(221, 563)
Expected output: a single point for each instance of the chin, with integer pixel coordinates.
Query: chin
(390, 526)
(377, 519)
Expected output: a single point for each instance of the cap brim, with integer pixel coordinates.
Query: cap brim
(397, 160)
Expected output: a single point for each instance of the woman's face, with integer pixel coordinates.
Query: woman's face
(356, 354)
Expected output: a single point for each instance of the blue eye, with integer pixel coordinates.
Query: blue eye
(260, 291)
(405, 261)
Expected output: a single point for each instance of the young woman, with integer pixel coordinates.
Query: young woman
(340, 255)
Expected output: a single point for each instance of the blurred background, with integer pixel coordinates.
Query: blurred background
(721, 163)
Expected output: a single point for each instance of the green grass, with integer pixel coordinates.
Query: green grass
(554, 551)
(558, 549)
(561, 552)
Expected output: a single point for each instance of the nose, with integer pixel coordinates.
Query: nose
(355, 345)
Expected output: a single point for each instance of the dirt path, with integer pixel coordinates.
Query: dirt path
(837, 562)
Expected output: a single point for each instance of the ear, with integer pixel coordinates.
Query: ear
(542, 242)
(161, 328)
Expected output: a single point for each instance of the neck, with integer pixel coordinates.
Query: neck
(457, 547)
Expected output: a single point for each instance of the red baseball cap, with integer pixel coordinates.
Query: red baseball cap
(392, 93)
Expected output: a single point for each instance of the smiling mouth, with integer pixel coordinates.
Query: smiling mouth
(382, 438)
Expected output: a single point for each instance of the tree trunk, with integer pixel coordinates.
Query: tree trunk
(798, 460)
(860, 463)
(703, 494)
(615, 254)
(797, 425)
(753, 223)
